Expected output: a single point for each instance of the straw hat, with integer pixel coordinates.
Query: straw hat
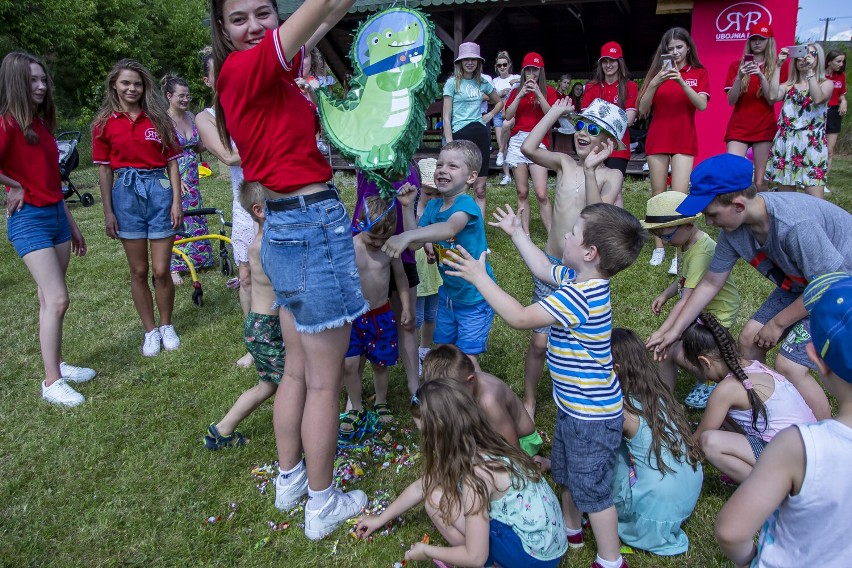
(427, 171)
(662, 211)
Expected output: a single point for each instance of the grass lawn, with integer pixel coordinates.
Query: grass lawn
(125, 478)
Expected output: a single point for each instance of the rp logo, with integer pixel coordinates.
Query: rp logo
(152, 135)
(733, 22)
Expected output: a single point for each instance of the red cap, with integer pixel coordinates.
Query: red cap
(762, 30)
(533, 59)
(611, 50)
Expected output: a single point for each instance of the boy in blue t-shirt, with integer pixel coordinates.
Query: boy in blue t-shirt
(464, 317)
(604, 241)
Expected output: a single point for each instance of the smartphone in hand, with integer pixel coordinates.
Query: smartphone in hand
(668, 61)
(748, 58)
(798, 51)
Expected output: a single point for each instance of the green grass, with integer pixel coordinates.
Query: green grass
(125, 479)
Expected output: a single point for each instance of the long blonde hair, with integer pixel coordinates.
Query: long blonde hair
(458, 73)
(153, 103)
(16, 95)
(769, 60)
(458, 443)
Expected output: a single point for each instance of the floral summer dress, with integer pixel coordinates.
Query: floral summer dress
(199, 252)
(799, 154)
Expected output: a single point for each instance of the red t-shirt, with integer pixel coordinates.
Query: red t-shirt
(672, 129)
(609, 93)
(125, 143)
(34, 166)
(529, 113)
(753, 118)
(271, 121)
(839, 80)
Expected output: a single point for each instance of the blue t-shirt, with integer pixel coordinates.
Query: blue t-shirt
(472, 238)
(579, 348)
(467, 101)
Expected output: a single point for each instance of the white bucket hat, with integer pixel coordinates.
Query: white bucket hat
(611, 118)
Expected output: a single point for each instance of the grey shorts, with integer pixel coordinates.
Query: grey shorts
(583, 459)
(797, 336)
(542, 290)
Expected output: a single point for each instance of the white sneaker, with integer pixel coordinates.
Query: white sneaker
(658, 256)
(506, 179)
(500, 159)
(826, 190)
(151, 345)
(61, 393)
(338, 509)
(76, 374)
(673, 267)
(170, 338)
(289, 491)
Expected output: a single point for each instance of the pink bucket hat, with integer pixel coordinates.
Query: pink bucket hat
(469, 50)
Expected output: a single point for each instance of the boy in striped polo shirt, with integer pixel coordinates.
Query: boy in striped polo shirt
(604, 241)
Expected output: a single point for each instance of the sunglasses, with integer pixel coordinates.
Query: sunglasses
(592, 129)
(367, 224)
(666, 236)
(502, 65)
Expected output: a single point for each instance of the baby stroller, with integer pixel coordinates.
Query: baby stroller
(226, 265)
(69, 159)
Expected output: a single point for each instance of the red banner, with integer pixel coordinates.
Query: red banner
(720, 30)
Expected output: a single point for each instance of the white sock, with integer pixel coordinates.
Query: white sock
(609, 563)
(572, 532)
(288, 473)
(316, 499)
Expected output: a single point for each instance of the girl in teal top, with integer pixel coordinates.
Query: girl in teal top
(658, 472)
(486, 497)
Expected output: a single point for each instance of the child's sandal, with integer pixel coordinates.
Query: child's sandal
(384, 412)
(216, 441)
(351, 422)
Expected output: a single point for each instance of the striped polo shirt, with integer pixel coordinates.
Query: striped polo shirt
(578, 349)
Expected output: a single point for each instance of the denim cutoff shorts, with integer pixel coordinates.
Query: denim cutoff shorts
(142, 204)
(308, 255)
(34, 228)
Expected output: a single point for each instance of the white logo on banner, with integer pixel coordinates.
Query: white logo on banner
(733, 23)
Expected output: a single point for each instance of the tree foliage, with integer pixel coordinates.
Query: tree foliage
(80, 40)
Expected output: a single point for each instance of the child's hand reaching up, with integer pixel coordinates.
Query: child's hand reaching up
(465, 266)
(563, 107)
(507, 220)
(367, 525)
(406, 194)
(394, 246)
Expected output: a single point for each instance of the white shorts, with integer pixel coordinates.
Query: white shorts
(514, 156)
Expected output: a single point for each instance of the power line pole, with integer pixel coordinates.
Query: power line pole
(827, 21)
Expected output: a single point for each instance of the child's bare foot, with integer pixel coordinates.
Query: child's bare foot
(177, 279)
(245, 361)
(530, 408)
(542, 462)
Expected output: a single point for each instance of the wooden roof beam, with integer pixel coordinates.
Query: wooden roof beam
(490, 16)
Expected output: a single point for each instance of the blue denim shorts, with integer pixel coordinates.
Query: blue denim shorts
(583, 459)
(497, 121)
(308, 255)
(35, 228)
(142, 204)
(506, 549)
(464, 325)
(427, 309)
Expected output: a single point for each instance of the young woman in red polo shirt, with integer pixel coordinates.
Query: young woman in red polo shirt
(527, 105)
(610, 82)
(835, 67)
(134, 145)
(38, 222)
(753, 122)
(672, 92)
(307, 242)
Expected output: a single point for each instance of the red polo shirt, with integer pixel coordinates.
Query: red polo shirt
(271, 121)
(609, 93)
(753, 119)
(127, 143)
(839, 80)
(672, 129)
(34, 166)
(529, 113)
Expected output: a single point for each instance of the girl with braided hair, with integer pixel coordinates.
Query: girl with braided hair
(748, 407)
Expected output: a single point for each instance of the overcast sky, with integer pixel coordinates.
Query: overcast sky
(810, 11)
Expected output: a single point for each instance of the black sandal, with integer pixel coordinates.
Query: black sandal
(384, 412)
(351, 422)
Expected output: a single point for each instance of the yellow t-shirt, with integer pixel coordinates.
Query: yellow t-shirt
(430, 276)
(695, 263)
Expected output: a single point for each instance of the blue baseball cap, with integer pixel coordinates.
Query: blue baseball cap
(714, 176)
(828, 299)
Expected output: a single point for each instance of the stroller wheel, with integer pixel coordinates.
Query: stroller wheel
(198, 297)
(87, 200)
